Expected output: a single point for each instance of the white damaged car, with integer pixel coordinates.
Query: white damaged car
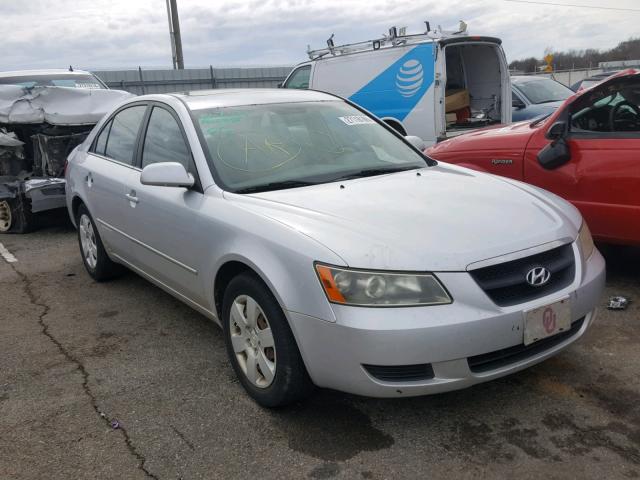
(44, 115)
(329, 249)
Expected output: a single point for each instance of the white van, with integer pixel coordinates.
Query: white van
(432, 85)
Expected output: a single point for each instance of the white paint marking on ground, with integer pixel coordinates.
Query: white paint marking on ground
(7, 255)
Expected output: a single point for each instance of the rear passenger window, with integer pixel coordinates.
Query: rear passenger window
(101, 142)
(164, 141)
(122, 137)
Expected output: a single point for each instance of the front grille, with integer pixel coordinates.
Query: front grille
(505, 283)
(507, 356)
(401, 373)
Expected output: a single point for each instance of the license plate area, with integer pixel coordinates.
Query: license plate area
(546, 321)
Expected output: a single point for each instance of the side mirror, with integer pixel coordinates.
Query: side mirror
(416, 142)
(557, 131)
(166, 174)
(554, 155)
(517, 103)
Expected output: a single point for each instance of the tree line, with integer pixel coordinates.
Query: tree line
(576, 59)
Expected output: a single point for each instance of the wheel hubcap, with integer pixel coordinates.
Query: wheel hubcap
(5, 216)
(252, 341)
(88, 241)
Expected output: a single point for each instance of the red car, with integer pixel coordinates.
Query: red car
(587, 151)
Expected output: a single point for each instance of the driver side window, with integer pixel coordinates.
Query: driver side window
(613, 109)
(299, 78)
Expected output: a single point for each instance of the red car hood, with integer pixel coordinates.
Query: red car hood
(502, 137)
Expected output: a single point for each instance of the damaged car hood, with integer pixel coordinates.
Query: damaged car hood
(441, 220)
(56, 105)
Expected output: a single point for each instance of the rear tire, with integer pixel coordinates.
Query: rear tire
(261, 347)
(94, 255)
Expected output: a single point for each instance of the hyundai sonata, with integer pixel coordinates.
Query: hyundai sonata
(327, 247)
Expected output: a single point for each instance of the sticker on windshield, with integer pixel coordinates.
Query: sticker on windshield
(356, 120)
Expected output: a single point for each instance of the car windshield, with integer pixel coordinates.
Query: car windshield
(58, 80)
(543, 90)
(273, 146)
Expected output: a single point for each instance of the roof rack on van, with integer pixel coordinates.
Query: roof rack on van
(396, 37)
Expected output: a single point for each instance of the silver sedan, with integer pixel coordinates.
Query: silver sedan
(327, 247)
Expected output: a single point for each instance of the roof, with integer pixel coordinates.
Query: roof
(52, 71)
(528, 78)
(250, 96)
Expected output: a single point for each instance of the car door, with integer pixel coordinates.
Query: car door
(602, 177)
(108, 164)
(163, 221)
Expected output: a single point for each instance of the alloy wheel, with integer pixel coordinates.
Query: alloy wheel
(252, 341)
(88, 241)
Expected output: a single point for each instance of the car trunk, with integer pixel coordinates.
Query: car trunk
(474, 93)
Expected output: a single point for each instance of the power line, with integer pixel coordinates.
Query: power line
(574, 5)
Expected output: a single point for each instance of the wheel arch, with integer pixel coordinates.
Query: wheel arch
(76, 201)
(288, 281)
(229, 268)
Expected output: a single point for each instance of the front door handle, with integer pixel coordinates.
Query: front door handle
(132, 198)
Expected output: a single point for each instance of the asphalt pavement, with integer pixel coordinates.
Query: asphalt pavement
(119, 380)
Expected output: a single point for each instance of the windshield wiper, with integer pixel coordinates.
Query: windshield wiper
(539, 119)
(370, 172)
(274, 186)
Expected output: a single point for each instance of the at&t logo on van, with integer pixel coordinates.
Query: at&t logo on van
(398, 86)
(409, 78)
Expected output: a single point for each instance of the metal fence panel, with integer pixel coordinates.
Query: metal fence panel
(141, 81)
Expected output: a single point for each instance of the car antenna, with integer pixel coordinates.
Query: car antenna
(70, 68)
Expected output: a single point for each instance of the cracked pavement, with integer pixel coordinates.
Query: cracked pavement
(76, 356)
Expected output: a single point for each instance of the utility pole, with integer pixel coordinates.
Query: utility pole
(174, 35)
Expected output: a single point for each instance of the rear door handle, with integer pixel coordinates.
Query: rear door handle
(89, 179)
(132, 197)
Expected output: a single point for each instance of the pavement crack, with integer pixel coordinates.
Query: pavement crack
(71, 358)
(184, 439)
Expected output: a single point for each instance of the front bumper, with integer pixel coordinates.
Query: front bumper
(442, 336)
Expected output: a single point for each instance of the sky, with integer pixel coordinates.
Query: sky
(118, 34)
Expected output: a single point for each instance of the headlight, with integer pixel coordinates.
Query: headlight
(380, 289)
(585, 241)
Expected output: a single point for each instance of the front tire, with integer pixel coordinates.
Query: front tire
(260, 344)
(16, 216)
(94, 255)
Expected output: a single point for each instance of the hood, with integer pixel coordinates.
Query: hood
(56, 105)
(504, 137)
(441, 220)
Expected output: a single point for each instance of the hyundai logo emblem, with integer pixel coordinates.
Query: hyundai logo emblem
(538, 276)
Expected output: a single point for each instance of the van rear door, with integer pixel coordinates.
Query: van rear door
(475, 88)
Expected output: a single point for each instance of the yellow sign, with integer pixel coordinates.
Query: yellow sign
(548, 58)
